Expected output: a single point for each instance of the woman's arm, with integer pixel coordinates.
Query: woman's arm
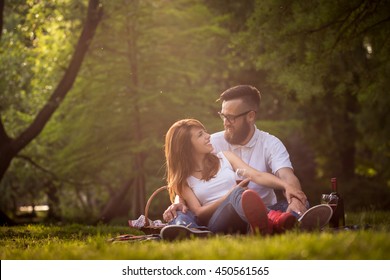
(203, 213)
(264, 178)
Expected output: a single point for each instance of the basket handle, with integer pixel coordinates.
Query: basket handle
(150, 201)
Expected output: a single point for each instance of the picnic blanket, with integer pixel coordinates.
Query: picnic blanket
(134, 238)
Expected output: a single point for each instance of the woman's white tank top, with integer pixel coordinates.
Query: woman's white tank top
(210, 191)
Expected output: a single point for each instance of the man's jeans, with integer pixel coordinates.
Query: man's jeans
(228, 217)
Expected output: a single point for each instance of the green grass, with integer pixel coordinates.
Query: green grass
(77, 242)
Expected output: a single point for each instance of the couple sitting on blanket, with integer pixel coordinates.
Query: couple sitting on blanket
(203, 171)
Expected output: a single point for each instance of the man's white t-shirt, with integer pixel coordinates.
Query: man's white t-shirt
(263, 152)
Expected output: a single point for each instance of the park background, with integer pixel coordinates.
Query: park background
(88, 90)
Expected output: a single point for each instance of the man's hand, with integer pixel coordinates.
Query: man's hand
(170, 213)
(293, 189)
(297, 206)
(291, 193)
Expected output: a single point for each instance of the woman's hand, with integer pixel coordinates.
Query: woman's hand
(170, 213)
(244, 183)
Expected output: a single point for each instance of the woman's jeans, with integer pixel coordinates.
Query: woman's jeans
(228, 218)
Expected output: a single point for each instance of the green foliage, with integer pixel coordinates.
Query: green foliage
(148, 60)
(327, 61)
(35, 47)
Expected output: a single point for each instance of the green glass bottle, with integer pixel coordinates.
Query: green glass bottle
(337, 204)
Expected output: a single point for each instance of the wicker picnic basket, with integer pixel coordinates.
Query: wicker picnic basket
(147, 228)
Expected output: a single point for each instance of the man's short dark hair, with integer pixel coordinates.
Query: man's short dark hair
(249, 94)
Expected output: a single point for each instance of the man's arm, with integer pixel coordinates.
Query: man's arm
(287, 174)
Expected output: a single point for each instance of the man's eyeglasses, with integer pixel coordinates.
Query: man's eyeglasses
(232, 118)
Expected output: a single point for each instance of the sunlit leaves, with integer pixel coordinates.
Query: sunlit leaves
(147, 63)
(332, 59)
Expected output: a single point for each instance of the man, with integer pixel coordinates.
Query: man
(259, 149)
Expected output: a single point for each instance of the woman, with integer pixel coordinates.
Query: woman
(207, 183)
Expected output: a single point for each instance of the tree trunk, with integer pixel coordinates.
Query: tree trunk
(138, 198)
(5, 220)
(348, 150)
(54, 213)
(10, 147)
(114, 206)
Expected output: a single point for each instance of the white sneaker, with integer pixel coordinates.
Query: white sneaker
(315, 217)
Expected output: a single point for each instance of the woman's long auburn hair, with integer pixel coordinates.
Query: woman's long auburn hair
(179, 157)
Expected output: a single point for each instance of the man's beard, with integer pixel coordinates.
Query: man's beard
(240, 134)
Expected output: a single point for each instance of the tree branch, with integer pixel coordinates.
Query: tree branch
(349, 23)
(4, 138)
(375, 25)
(32, 162)
(94, 15)
(52, 174)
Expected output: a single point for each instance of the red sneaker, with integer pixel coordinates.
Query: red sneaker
(282, 221)
(256, 213)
